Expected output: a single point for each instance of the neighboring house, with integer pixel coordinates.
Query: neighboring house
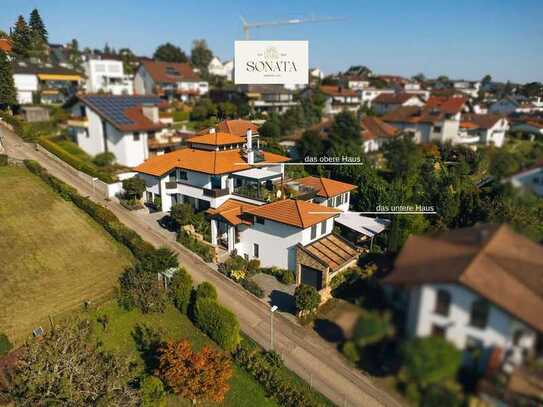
(269, 98)
(107, 76)
(489, 128)
(251, 207)
(529, 180)
(225, 70)
(479, 288)
(123, 125)
(169, 80)
(5, 45)
(356, 82)
(368, 95)
(47, 84)
(375, 133)
(339, 98)
(237, 127)
(387, 102)
(509, 105)
(438, 120)
(470, 88)
(316, 73)
(532, 126)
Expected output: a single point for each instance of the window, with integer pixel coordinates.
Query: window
(259, 220)
(479, 313)
(443, 303)
(183, 175)
(323, 227)
(136, 136)
(438, 330)
(172, 176)
(473, 344)
(313, 232)
(256, 250)
(437, 129)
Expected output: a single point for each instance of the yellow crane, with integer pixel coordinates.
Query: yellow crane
(247, 26)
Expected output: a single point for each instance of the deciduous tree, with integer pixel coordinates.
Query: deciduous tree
(200, 54)
(170, 53)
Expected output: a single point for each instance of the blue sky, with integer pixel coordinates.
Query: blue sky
(460, 38)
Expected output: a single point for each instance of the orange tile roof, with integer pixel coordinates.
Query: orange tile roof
(333, 90)
(5, 45)
(209, 162)
(231, 211)
(449, 105)
(326, 187)
(237, 127)
(162, 71)
(294, 212)
(373, 127)
(217, 139)
(468, 125)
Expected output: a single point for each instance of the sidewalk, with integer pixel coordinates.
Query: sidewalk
(303, 351)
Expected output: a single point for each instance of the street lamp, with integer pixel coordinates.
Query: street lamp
(273, 309)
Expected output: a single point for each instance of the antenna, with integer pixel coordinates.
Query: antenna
(248, 25)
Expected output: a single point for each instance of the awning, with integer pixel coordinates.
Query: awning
(259, 174)
(362, 224)
(58, 77)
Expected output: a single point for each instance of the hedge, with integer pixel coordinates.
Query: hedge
(206, 291)
(194, 245)
(139, 247)
(282, 275)
(219, 323)
(74, 161)
(181, 290)
(253, 287)
(279, 383)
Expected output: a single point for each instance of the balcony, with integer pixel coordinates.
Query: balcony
(78, 122)
(216, 192)
(171, 185)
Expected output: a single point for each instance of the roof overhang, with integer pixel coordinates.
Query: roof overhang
(259, 174)
(362, 224)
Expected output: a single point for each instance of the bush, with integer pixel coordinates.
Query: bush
(3, 160)
(252, 286)
(307, 298)
(152, 392)
(5, 345)
(206, 291)
(181, 290)
(180, 116)
(134, 187)
(350, 351)
(253, 267)
(218, 322)
(282, 275)
(104, 159)
(194, 245)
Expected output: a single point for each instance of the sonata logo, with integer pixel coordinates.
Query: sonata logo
(271, 62)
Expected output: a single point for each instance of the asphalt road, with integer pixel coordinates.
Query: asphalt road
(303, 351)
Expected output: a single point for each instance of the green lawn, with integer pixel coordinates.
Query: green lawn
(117, 338)
(53, 257)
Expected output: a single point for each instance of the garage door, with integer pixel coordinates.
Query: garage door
(312, 277)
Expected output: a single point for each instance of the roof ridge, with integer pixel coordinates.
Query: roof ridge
(481, 251)
(298, 209)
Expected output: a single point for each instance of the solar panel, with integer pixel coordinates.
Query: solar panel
(113, 107)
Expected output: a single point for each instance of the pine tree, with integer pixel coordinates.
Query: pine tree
(7, 87)
(21, 38)
(37, 27)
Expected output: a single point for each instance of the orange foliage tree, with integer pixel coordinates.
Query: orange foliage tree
(201, 376)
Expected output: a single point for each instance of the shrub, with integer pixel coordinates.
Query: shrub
(180, 116)
(253, 267)
(282, 275)
(5, 345)
(152, 392)
(206, 291)
(140, 288)
(182, 213)
(307, 298)
(181, 289)
(194, 245)
(350, 351)
(252, 286)
(3, 160)
(134, 187)
(104, 159)
(218, 322)
(372, 327)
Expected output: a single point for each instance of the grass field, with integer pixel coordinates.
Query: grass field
(118, 338)
(52, 255)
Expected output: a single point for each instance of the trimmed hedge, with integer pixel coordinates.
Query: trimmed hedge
(219, 323)
(194, 245)
(139, 247)
(278, 383)
(181, 290)
(282, 275)
(206, 291)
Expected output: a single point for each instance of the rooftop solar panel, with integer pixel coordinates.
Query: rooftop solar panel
(113, 107)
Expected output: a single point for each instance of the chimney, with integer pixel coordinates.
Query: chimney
(250, 152)
(151, 112)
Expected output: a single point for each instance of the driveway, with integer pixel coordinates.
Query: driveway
(303, 351)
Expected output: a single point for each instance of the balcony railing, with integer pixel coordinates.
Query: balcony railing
(216, 192)
(259, 194)
(171, 185)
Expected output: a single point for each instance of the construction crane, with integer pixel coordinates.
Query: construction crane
(247, 25)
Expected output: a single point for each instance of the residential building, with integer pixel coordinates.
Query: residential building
(530, 179)
(238, 127)
(368, 95)
(339, 98)
(107, 75)
(218, 68)
(509, 105)
(529, 125)
(5, 45)
(356, 82)
(46, 84)
(375, 133)
(489, 128)
(269, 98)
(126, 126)
(470, 88)
(387, 102)
(479, 288)
(316, 73)
(169, 80)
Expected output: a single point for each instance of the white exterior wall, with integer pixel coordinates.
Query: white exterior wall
(531, 180)
(94, 143)
(499, 331)
(128, 151)
(143, 83)
(108, 76)
(496, 134)
(26, 85)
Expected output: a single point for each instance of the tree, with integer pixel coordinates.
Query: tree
(134, 187)
(200, 54)
(206, 290)
(170, 53)
(67, 367)
(74, 55)
(371, 328)
(271, 127)
(310, 145)
(429, 360)
(182, 214)
(204, 109)
(345, 132)
(487, 79)
(129, 60)
(404, 158)
(201, 376)
(8, 94)
(37, 27)
(307, 298)
(104, 159)
(181, 290)
(152, 392)
(21, 39)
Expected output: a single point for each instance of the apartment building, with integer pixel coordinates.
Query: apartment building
(107, 75)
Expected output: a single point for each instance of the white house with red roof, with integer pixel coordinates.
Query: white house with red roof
(489, 128)
(387, 102)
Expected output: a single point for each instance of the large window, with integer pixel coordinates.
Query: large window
(479, 313)
(313, 232)
(256, 250)
(443, 303)
(323, 227)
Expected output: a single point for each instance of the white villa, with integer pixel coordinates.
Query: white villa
(339, 98)
(252, 207)
(479, 287)
(489, 128)
(169, 80)
(218, 68)
(388, 102)
(107, 75)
